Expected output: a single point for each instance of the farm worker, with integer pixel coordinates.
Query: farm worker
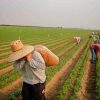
(94, 52)
(96, 38)
(31, 63)
(92, 34)
(77, 39)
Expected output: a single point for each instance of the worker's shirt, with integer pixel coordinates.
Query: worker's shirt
(96, 37)
(34, 70)
(96, 46)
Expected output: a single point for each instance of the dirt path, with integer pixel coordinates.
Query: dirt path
(3, 46)
(8, 89)
(6, 70)
(71, 86)
(52, 49)
(4, 54)
(53, 86)
(88, 83)
(62, 53)
(57, 43)
(3, 61)
(6, 48)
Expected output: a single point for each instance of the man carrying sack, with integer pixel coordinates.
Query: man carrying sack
(31, 62)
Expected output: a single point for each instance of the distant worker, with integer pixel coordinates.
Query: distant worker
(92, 34)
(96, 38)
(77, 39)
(95, 48)
(99, 38)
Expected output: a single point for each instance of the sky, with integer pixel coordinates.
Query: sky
(51, 13)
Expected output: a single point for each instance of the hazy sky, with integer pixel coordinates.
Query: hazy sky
(66, 13)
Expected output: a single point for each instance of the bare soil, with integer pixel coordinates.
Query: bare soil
(57, 81)
(10, 88)
(4, 54)
(88, 84)
(3, 61)
(53, 86)
(62, 53)
(6, 70)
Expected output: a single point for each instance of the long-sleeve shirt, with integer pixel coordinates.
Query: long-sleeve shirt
(96, 46)
(95, 37)
(33, 70)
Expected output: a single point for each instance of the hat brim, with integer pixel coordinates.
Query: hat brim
(20, 53)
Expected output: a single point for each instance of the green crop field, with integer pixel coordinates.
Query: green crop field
(8, 33)
(66, 77)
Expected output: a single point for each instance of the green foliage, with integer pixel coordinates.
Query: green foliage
(7, 78)
(39, 35)
(74, 78)
(8, 33)
(98, 79)
(15, 94)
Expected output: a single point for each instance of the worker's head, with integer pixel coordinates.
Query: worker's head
(19, 50)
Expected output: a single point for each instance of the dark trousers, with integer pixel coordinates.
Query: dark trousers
(33, 92)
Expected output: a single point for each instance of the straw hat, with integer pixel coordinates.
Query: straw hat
(19, 50)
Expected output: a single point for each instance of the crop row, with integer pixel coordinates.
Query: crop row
(72, 82)
(17, 72)
(46, 43)
(52, 70)
(98, 79)
(5, 70)
(53, 45)
(80, 73)
(32, 43)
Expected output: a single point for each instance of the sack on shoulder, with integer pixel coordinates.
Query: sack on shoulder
(49, 57)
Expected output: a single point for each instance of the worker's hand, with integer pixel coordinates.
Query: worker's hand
(43, 91)
(29, 57)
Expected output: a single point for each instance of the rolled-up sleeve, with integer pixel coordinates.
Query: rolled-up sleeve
(37, 61)
(18, 65)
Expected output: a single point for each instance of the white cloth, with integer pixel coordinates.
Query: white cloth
(34, 70)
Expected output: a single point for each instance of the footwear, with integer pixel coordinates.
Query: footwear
(96, 59)
(93, 61)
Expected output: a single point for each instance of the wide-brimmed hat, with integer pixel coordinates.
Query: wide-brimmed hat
(19, 50)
